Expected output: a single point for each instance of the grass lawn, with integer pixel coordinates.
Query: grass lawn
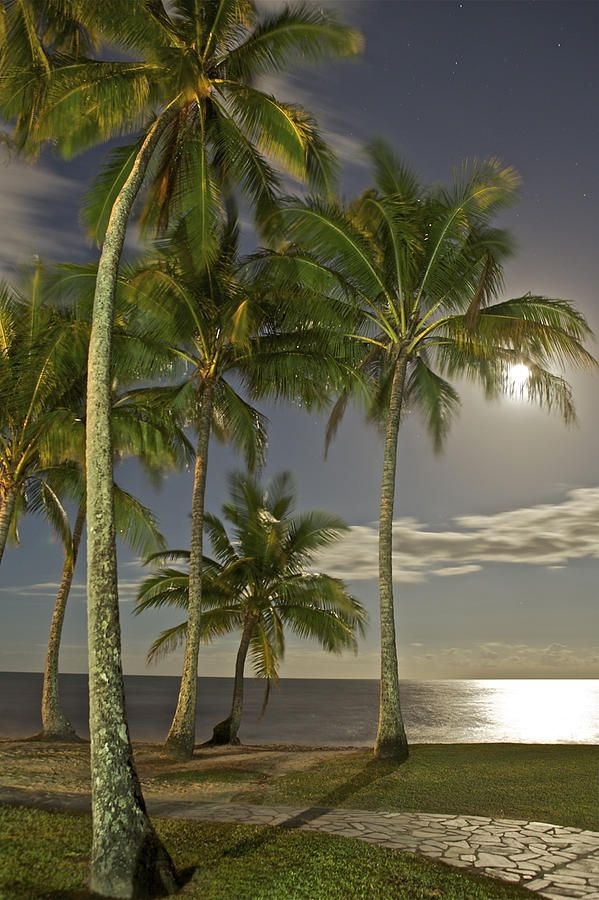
(44, 855)
(539, 782)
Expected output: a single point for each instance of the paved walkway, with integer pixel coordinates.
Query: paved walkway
(552, 860)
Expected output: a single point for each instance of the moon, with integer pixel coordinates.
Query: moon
(517, 377)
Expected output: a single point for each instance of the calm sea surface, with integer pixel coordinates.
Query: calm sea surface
(330, 711)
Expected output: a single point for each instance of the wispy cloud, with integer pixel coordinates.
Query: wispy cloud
(505, 660)
(28, 192)
(46, 590)
(549, 535)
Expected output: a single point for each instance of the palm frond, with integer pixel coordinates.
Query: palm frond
(435, 398)
(167, 642)
(135, 523)
(312, 531)
(238, 423)
(302, 31)
(391, 176)
(333, 240)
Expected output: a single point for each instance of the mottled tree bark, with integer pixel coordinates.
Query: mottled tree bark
(8, 496)
(55, 723)
(391, 741)
(181, 737)
(127, 860)
(226, 731)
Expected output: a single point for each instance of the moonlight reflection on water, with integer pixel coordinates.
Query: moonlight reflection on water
(547, 711)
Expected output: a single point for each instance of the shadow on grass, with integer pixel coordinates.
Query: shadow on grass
(373, 771)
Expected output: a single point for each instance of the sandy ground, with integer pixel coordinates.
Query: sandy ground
(214, 773)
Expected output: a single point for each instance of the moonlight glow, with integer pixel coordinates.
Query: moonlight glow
(517, 378)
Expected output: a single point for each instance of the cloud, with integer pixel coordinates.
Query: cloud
(457, 570)
(28, 192)
(549, 535)
(43, 590)
(496, 659)
(47, 590)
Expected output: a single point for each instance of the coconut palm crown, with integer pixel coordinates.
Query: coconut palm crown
(421, 267)
(187, 73)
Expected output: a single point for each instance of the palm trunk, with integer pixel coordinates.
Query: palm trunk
(128, 859)
(181, 737)
(55, 724)
(8, 496)
(226, 731)
(391, 741)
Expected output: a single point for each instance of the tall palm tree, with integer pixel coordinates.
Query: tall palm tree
(206, 315)
(421, 267)
(223, 322)
(185, 89)
(261, 582)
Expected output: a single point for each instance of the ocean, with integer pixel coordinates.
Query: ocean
(329, 712)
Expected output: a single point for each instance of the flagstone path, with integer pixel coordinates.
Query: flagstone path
(555, 861)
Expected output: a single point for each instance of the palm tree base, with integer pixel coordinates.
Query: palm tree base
(392, 748)
(221, 734)
(154, 874)
(179, 746)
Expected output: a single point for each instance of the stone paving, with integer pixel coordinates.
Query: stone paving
(555, 861)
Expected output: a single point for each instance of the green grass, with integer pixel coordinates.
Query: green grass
(544, 783)
(43, 856)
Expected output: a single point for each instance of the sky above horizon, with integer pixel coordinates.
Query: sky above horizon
(497, 540)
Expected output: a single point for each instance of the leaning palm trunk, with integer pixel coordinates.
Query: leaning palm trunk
(391, 741)
(55, 723)
(128, 860)
(226, 731)
(181, 737)
(8, 496)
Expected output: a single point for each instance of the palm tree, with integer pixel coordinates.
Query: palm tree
(422, 266)
(185, 89)
(223, 321)
(261, 582)
(206, 315)
(42, 357)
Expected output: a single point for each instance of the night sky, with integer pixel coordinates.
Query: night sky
(498, 539)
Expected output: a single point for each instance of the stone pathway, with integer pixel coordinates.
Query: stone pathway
(554, 861)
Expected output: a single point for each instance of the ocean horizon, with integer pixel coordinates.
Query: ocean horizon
(333, 712)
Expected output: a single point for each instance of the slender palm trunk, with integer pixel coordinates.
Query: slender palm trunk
(391, 741)
(226, 731)
(181, 737)
(8, 496)
(55, 723)
(128, 859)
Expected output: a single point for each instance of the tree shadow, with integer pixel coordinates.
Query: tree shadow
(373, 771)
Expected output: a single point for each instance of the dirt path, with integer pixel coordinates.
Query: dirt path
(214, 773)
